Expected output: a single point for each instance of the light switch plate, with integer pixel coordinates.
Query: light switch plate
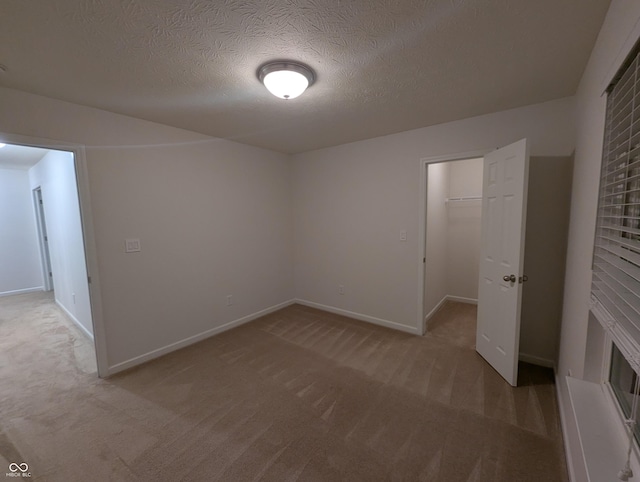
(131, 245)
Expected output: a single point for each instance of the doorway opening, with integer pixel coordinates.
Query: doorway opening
(47, 245)
(427, 300)
(501, 261)
(452, 239)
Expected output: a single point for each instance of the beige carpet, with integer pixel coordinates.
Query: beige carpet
(297, 395)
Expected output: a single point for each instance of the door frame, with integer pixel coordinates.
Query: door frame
(422, 222)
(43, 238)
(86, 219)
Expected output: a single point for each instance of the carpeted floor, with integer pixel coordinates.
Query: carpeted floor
(296, 395)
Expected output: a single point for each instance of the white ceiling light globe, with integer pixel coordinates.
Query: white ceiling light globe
(286, 84)
(286, 80)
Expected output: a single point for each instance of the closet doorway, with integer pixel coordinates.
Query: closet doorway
(452, 235)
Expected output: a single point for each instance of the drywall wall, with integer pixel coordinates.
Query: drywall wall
(213, 218)
(548, 201)
(619, 31)
(621, 19)
(351, 202)
(55, 176)
(464, 223)
(19, 252)
(435, 282)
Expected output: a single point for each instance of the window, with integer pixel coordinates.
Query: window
(623, 381)
(616, 260)
(615, 289)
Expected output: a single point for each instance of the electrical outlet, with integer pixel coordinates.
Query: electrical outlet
(403, 235)
(340, 289)
(229, 300)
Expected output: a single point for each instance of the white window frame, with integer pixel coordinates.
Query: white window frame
(614, 404)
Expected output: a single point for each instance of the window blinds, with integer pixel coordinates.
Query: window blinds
(616, 259)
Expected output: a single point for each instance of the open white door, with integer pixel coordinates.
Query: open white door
(504, 210)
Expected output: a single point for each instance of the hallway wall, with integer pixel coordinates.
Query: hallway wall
(20, 263)
(55, 175)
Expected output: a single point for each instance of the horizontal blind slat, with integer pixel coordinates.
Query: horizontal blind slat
(627, 243)
(630, 298)
(630, 270)
(620, 251)
(611, 306)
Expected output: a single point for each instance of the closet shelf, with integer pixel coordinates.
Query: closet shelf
(462, 199)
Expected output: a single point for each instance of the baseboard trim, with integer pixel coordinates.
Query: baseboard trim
(446, 298)
(565, 431)
(138, 360)
(433, 312)
(461, 299)
(75, 320)
(359, 316)
(22, 291)
(536, 360)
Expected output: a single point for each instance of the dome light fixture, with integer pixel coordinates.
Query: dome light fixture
(286, 79)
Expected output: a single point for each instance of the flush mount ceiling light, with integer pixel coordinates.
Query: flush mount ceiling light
(2, 144)
(286, 79)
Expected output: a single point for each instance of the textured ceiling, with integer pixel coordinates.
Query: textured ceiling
(20, 157)
(382, 66)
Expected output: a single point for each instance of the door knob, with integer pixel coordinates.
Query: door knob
(511, 278)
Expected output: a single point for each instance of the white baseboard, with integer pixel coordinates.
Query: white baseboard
(75, 320)
(118, 367)
(359, 316)
(460, 299)
(536, 360)
(22, 291)
(433, 311)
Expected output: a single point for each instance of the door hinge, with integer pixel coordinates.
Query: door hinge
(89, 279)
(50, 273)
(424, 260)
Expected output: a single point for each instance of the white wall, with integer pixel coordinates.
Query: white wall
(55, 176)
(352, 201)
(615, 40)
(464, 223)
(621, 19)
(20, 266)
(548, 203)
(213, 216)
(435, 283)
